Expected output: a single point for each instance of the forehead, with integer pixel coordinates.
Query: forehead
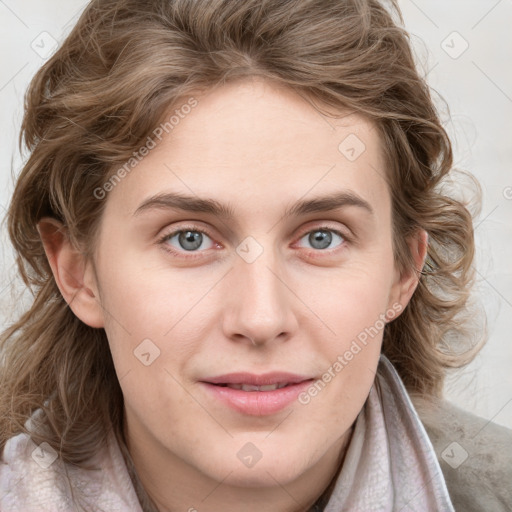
(255, 139)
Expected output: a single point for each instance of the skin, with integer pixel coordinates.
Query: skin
(258, 148)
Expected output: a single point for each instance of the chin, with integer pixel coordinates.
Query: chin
(267, 475)
(249, 466)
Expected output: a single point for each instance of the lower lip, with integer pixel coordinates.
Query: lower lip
(257, 403)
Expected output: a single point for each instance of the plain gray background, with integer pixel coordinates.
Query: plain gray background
(464, 47)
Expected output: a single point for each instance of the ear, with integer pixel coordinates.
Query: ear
(72, 271)
(406, 282)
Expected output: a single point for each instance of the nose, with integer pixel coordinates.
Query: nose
(260, 305)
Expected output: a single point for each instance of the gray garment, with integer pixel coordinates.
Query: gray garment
(475, 456)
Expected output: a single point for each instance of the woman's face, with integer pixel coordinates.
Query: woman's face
(284, 265)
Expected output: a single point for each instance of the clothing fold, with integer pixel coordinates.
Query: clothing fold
(390, 464)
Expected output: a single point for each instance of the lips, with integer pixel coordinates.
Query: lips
(251, 379)
(256, 395)
(250, 387)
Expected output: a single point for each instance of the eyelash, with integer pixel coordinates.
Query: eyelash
(162, 240)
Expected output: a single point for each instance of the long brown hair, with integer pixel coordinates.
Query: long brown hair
(128, 62)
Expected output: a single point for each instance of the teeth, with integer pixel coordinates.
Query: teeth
(250, 387)
(234, 386)
(270, 387)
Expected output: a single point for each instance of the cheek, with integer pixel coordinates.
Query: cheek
(138, 299)
(151, 323)
(358, 323)
(352, 306)
(353, 297)
(350, 351)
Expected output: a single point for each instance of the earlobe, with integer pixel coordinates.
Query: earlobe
(72, 272)
(406, 282)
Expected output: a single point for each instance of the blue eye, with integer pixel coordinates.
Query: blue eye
(321, 238)
(188, 240)
(193, 240)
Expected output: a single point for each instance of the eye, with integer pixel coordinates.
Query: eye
(322, 238)
(189, 239)
(193, 240)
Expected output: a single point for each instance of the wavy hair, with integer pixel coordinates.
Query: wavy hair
(99, 97)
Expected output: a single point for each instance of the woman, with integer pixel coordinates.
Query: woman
(244, 269)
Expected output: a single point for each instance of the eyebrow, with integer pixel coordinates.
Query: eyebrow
(184, 202)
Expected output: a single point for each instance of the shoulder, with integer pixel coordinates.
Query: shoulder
(34, 479)
(475, 456)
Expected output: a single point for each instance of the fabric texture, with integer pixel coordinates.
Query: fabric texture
(475, 456)
(26, 485)
(390, 466)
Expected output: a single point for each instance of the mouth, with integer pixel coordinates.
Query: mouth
(255, 382)
(251, 387)
(256, 395)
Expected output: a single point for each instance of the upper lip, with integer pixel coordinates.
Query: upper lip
(253, 379)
